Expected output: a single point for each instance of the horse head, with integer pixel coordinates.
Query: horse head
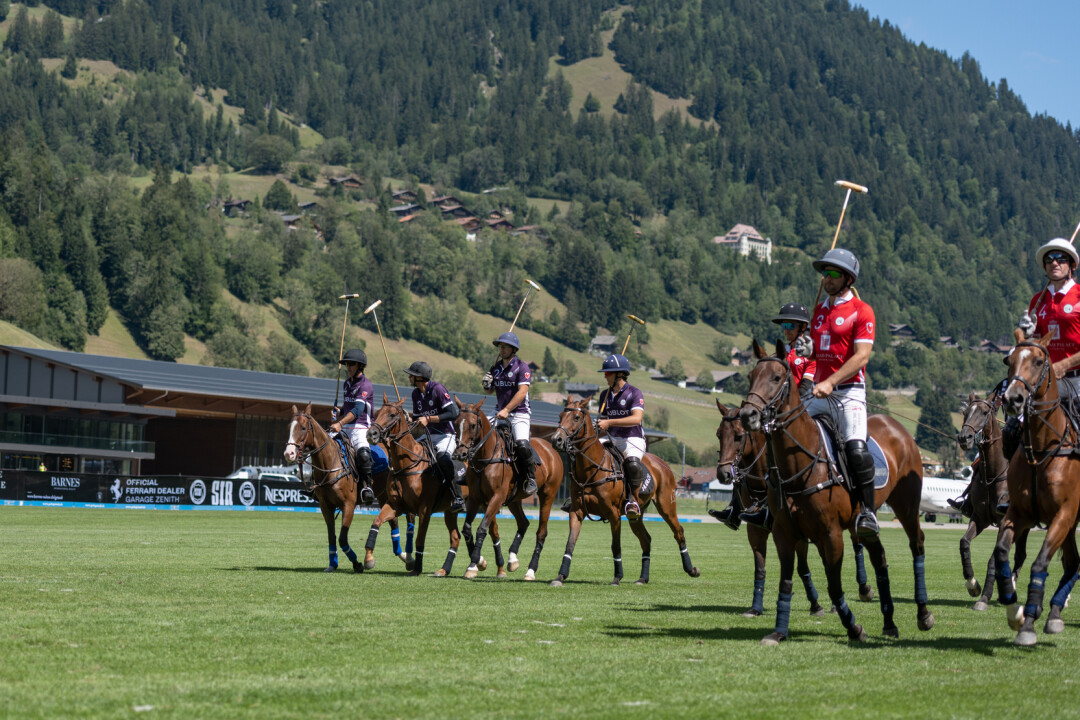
(732, 437)
(301, 434)
(1030, 370)
(770, 385)
(978, 418)
(472, 426)
(389, 422)
(574, 424)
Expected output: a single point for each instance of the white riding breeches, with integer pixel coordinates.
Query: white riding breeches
(357, 435)
(519, 424)
(847, 408)
(444, 443)
(632, 447)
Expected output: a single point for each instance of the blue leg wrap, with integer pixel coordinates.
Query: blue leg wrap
(409, 537)
(1006, 596)
(349, 552)
(395, 538)
(860, 564)
(1036, 588)
(759, 595)
(808, 585)
(333, 556)
(1064, 588)
(920, 580)
(783, 613)
(846, 616)
(884, 591)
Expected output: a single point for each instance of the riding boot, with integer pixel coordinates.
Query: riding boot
(1010, 436)
(634, 472)
(363, 472)
(962, 502)
(758, 516)
(526, 467)
(861, 467)
(731, 515)
(446, 467)
(568, 505)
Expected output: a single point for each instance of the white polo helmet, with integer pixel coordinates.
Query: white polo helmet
(1061, 245)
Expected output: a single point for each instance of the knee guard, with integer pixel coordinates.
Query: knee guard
(634, 472)
(525, 461)
(446, 467)
(364, 464)
(1010, 436)
(860, 463)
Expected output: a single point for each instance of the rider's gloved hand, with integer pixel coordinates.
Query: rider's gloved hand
(804, 347)
(488, 381)
(1026, 326)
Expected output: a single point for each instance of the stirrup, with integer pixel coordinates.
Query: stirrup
(367, 495)
(866, 524)
(632, 510)
(530, 486)
(567, 506)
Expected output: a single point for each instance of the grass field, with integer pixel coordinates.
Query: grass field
(109, 613)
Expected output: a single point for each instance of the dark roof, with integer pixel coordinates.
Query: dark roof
(161, 376)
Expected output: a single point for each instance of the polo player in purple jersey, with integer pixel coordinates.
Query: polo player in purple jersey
(355, 418)
(622, 411)
(509, 378)
(435, 410)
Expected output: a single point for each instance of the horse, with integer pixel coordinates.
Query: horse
(491, 474)
(597, 489)
(414, 486)
(988, 489)
(1044, 487)
(333, 485)
(742, 456)
(808, 500)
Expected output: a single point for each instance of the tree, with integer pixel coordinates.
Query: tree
(164, 333)
(232, 347)
(283, 356)
(674, 371)
(935, 422)
(278, 197)
(269, 153)
(71, 68)
(22, 303)
(550, 367)
(705, 380)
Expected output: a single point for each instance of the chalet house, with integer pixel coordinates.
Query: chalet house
(408, 218)
(291, 221)
(900, 331)
(992, 347)
(403, 196)
(534, 230)
(495, 215)
(309, 206)
(499, 225)
(469, 224)
(407, 209)
(349, 182)
(451, 212)
(443, 200)
(745, 240)
(603, 344)
(741, 358)
(948, 341)
(720, 379)
(233, 208)
(582, 390)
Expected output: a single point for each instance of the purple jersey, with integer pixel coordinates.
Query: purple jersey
(359, 396)
(433, 402)
(621, 405)
(507, 380)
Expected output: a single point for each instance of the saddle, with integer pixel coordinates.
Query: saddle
(647, 483)
(503, 428)
(346, 453)
(837, 458)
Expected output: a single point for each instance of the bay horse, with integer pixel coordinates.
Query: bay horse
(414, 486)
(334, 485)
(808, 501)
(1044, 487)
(597, 489)
(491, 474)
(742, 457)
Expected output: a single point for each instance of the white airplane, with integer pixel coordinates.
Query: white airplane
(936, 492)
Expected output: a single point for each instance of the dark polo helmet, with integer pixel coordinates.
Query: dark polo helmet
(842, 259)
(507, 338)
(419, 369)
(355, 355)
(792, 312)
(615, 363)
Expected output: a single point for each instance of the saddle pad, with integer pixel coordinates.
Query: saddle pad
(881, 465)
(379, 460)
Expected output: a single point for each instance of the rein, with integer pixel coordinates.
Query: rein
(394, 441)
(740, 471)
(475, 447)
(1043, 410)
(573, 451)
(303, 455)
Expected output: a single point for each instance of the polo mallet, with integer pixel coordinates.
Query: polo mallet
(371, 309)
(850, 186)
(341, 351)
(521, 307)
(1038, 302)
(638, 321)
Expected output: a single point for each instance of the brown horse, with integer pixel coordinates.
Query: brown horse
(808, 500)
(333, 485)
(988, 489)
(414, 486)
(491, 474)
(597, 489)
(1044, 487)
(742, 457)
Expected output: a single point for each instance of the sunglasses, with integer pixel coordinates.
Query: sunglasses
(1055, 257)
(834, 274)
(789, 325)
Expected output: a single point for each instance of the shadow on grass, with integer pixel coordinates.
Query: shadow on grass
(726, 609)
(719, 633)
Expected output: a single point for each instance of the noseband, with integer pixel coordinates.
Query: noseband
(768, 409)
(477, 445)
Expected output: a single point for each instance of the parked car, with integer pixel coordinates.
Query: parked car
(267, 472)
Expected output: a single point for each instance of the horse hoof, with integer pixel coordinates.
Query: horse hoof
(857, 634)
(556, 583)
(817, 611)
(471, 573)
(891, 632)
(404, 558)
(980, 606)
(866, 593)
(331, 568)
(641, 581)
(832, 609)
(357, 567)
(1026, 638)
(926, 621)
(1015, 614)
(501, 574)
(513, 565)
(752, 613)
(616, 581)
(413, 573)
(694, 572)
(530, 574)
(439, 573)
(410, 563)
(1054, 626)
(773, 639)
(369, 564)
(973, 587)
(482, 565)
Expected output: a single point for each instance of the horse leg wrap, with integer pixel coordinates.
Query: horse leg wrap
(516, 545)
(846, 616)
(884, 592)
(497, 547)
(410, 528)
(348, 553)
(1036, 588)
(965, 558)
(1064, 588)
(921, 597)
(372, 536)
(808, 585)
(758, 603)
(333, 556)
(618, 567)
(860, 564)
(481, 535)
(564, 569)
(687, 566)
(534, 564)
(1006, 596)
(645, 567)
(783, 613)
(395, 538)
(448, 564)
(418, 564)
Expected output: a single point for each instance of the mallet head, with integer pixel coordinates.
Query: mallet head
(853, 186)
(535, 286)
(372, 306)
(636, 319)
(349, 296)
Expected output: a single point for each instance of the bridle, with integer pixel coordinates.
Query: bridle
(1041, 410)
(989, 406)
(470, 450)
(383, 433)
(573, 451)
(303, 455)
(739, 470)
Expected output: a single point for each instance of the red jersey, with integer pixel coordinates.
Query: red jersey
(835, 330)
(1059, 315)
(800, 366)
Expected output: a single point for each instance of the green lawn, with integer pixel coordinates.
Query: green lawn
(113, 613)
